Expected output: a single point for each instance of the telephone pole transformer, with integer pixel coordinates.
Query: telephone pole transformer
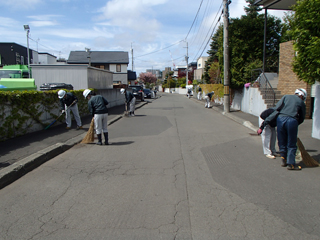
(226, 62)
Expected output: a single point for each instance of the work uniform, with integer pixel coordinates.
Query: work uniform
(98, 109)
(66, 103)
(131, 100)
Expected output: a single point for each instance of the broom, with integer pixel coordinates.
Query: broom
(89, 138)
(306, 158)
(126, 114)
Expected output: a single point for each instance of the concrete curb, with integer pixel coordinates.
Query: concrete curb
(15, 171)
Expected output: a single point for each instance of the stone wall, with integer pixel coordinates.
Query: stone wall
(288, 80)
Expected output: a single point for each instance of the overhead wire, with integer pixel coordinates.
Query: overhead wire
(194, 19)
(159, 49)
(201, 28)
(212, 32)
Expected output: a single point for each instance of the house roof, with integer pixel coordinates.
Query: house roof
(98, 57)
(276, 4)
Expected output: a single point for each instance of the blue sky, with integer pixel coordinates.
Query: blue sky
(157, 30)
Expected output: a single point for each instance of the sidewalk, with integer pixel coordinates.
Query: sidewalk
(20, 155)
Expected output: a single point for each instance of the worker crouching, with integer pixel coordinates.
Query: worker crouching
(97, 105)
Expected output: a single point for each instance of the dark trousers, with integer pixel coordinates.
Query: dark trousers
(287, 130)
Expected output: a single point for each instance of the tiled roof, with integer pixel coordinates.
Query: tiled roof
(99, 57)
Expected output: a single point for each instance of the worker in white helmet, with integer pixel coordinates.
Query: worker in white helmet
(97, 105)
(130, 99)
(68, 102)
(291, 111)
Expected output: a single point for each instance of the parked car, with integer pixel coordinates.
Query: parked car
(54, 86)
(137, 92)
(147, 93)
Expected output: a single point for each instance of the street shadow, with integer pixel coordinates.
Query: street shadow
(3, 165)
(316, 157)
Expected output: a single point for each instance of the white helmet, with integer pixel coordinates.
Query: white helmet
(122, 90)
(86, 93)
(301, 92)
(61, 93)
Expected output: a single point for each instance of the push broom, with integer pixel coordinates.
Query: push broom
(306, 158)
(89, 138)
(59, 116)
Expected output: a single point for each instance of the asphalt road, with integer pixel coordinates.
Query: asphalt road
(174, 171)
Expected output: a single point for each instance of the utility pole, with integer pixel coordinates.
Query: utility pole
(131, 57)
(187, 66)
(226, 55)
(27, 29)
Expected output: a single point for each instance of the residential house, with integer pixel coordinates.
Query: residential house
(180, 71)
(13, 53)
(113, 61)
(201, 62)
(191, 68)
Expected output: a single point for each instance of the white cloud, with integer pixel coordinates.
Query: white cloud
(44, 20)
(8, 22)
(133, 14)
(78, 33)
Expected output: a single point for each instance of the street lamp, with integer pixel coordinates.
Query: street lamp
(89, 52)
(27, 28)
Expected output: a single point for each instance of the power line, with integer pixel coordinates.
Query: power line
(209, 32)
(194, 19)
(159, 49)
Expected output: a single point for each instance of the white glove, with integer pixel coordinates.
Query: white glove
(62, 111)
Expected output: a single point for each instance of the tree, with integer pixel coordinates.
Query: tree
(214, 73)
(306, 35)
(216, 45)
(246, 36)
(147, 77)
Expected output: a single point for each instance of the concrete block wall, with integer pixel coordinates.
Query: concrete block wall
(288, 80)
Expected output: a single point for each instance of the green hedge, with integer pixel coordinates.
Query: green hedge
(20, 110)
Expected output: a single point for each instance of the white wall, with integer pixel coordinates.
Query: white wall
(79, 76)
(249, 101)
(46, 59)
(316, 114)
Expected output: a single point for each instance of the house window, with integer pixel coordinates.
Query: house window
(118, 67)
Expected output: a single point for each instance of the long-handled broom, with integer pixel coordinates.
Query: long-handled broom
(306, 158)
(59, 116)
(89, 138)
(126, 114)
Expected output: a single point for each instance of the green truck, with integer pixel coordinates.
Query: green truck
(16, 77)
